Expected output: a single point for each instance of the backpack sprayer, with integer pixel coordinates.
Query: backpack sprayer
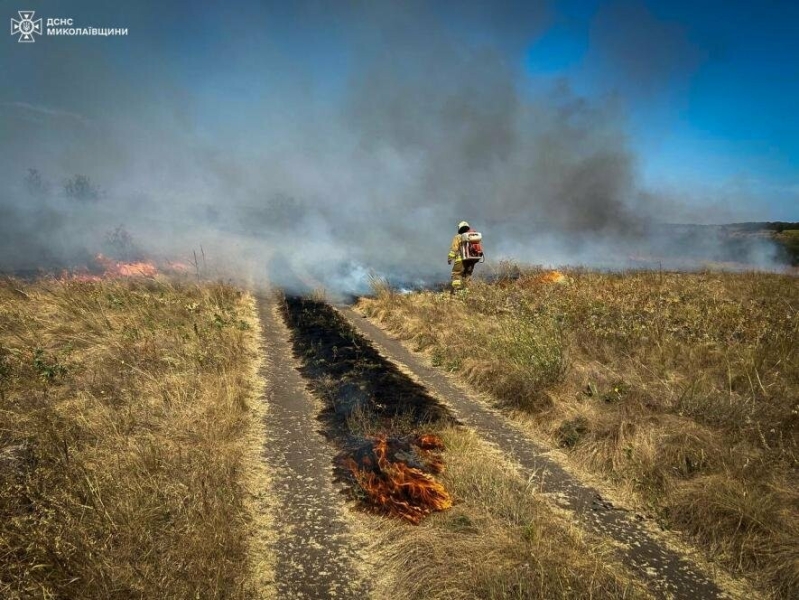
(472, 247)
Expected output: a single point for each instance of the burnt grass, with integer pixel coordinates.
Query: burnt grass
(364, 395)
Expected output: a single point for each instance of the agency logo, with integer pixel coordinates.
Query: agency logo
(26, 26)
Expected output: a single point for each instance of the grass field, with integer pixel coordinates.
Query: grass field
(130, 434)
(499, 540)
(681, 391)
(128, 440)
(129, 447)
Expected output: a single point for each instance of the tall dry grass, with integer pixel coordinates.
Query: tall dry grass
(680, 389)
(126, 424)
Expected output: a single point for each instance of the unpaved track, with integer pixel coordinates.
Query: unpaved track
(666, 572)
(316, 555)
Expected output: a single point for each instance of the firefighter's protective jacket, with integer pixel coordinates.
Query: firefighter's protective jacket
(455, 249)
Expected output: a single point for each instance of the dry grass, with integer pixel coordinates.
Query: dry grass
(681, 389)
(498, 541)
(126, 436)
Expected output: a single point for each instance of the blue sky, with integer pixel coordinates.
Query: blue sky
(708, 90)
(722, 111)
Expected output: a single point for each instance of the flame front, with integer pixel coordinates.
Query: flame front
(394, 486)
(112, 268)
(551, 277)
(107, 268)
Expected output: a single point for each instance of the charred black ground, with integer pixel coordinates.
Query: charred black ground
(360, 388)
(380, 420)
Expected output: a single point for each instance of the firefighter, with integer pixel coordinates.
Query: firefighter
(463, 259)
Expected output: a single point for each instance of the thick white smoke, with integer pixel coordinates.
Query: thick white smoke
(324, 142)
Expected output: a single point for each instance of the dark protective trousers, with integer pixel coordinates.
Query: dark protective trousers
(461, 272)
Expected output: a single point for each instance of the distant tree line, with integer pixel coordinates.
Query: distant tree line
(78, 187)
(776, 226)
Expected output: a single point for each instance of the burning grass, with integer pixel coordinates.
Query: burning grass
(680, 389)
(551, 277)
(396, 475)
(103, 268)
(126, 439)
(376, 415)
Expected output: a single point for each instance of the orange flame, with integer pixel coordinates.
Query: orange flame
(105, 268)
(429, 441)
(393, 486)
(113, 268)
(551, 277)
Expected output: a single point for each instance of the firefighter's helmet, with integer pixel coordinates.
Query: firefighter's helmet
(461, 226)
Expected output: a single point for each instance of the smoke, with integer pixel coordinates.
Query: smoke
(322, 142)
(642, 54)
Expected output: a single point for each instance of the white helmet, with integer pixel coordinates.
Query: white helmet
(462, 224)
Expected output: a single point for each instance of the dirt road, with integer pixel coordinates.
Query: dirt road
(317, 555)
